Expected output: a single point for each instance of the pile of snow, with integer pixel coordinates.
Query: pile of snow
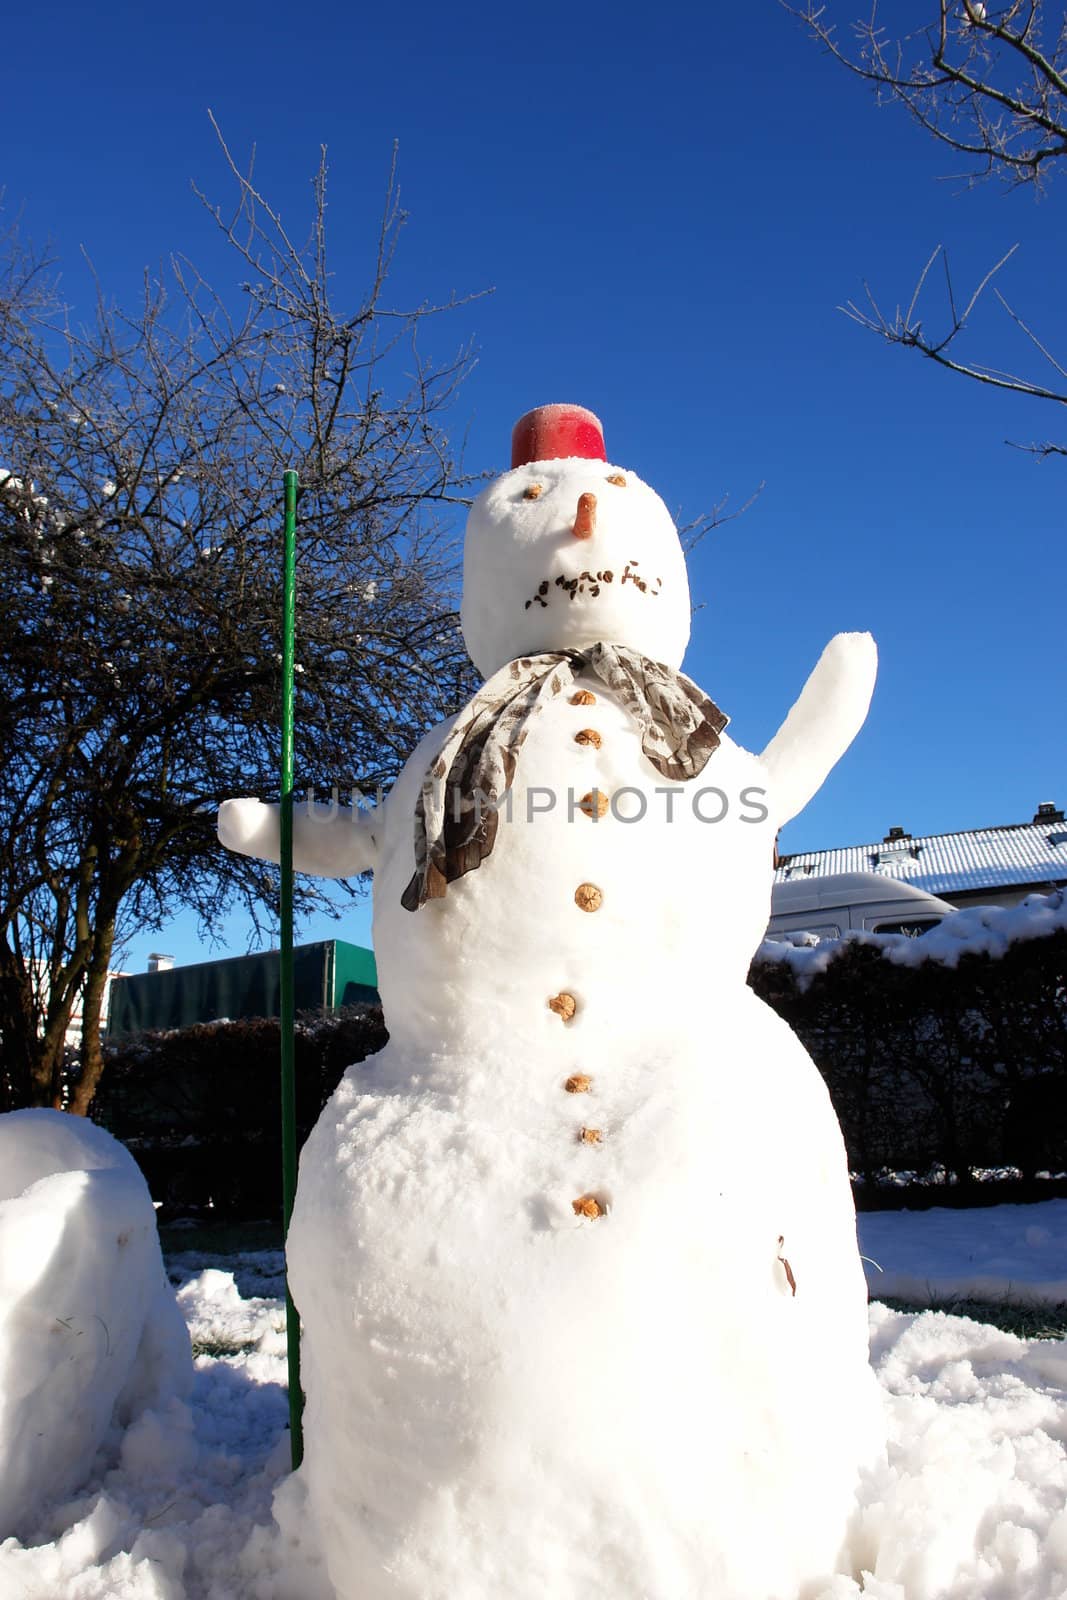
(179, 1504)
(971, 1504)
(976, 930)
(90, 1334)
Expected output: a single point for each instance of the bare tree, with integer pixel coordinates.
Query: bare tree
(140, 511)
(990, 82)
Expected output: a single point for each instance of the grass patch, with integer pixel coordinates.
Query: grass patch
(1036, 1320)
(224, 1347)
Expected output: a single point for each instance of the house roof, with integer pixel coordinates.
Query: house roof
(946, 863)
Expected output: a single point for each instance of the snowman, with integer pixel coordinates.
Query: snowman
(575, 1254)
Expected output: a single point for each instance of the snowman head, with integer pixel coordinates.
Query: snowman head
(566, 550)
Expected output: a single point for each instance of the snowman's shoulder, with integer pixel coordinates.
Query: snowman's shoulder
(740, 778)
(427, 750)
(737, 758)
(405, 790)
(729, 746)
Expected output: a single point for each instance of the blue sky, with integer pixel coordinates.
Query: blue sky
(669, 204)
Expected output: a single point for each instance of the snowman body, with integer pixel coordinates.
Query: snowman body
(506, 1397)
(513, 1392)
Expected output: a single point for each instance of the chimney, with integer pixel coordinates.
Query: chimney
(1048, 811)
(894, 834)
(159, 963)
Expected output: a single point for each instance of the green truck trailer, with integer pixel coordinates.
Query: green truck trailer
(326, 975)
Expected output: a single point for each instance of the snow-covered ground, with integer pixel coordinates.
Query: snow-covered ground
(1014, 1253)
(973, 1504)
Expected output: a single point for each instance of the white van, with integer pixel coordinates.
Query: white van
(829, 906)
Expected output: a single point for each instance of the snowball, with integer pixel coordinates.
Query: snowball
(89, 1328)
(626, 583)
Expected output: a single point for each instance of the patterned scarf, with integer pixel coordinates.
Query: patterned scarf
(456, 814)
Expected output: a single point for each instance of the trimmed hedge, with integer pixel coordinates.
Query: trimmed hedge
(200, 1107)
(931, 1065)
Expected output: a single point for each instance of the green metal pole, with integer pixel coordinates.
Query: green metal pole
(292, 1320)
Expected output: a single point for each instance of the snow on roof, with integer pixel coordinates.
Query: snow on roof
(944, 863)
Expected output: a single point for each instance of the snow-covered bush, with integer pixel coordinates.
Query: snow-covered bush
(950, 1049)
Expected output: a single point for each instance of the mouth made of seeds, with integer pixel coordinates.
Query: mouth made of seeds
(590, 583)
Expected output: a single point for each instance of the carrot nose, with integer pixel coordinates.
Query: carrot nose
(585, 521)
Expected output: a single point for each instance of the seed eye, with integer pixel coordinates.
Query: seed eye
(533, 491)
(618, 479)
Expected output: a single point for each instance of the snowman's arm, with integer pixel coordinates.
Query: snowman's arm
(328, 841)
(822, 724)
